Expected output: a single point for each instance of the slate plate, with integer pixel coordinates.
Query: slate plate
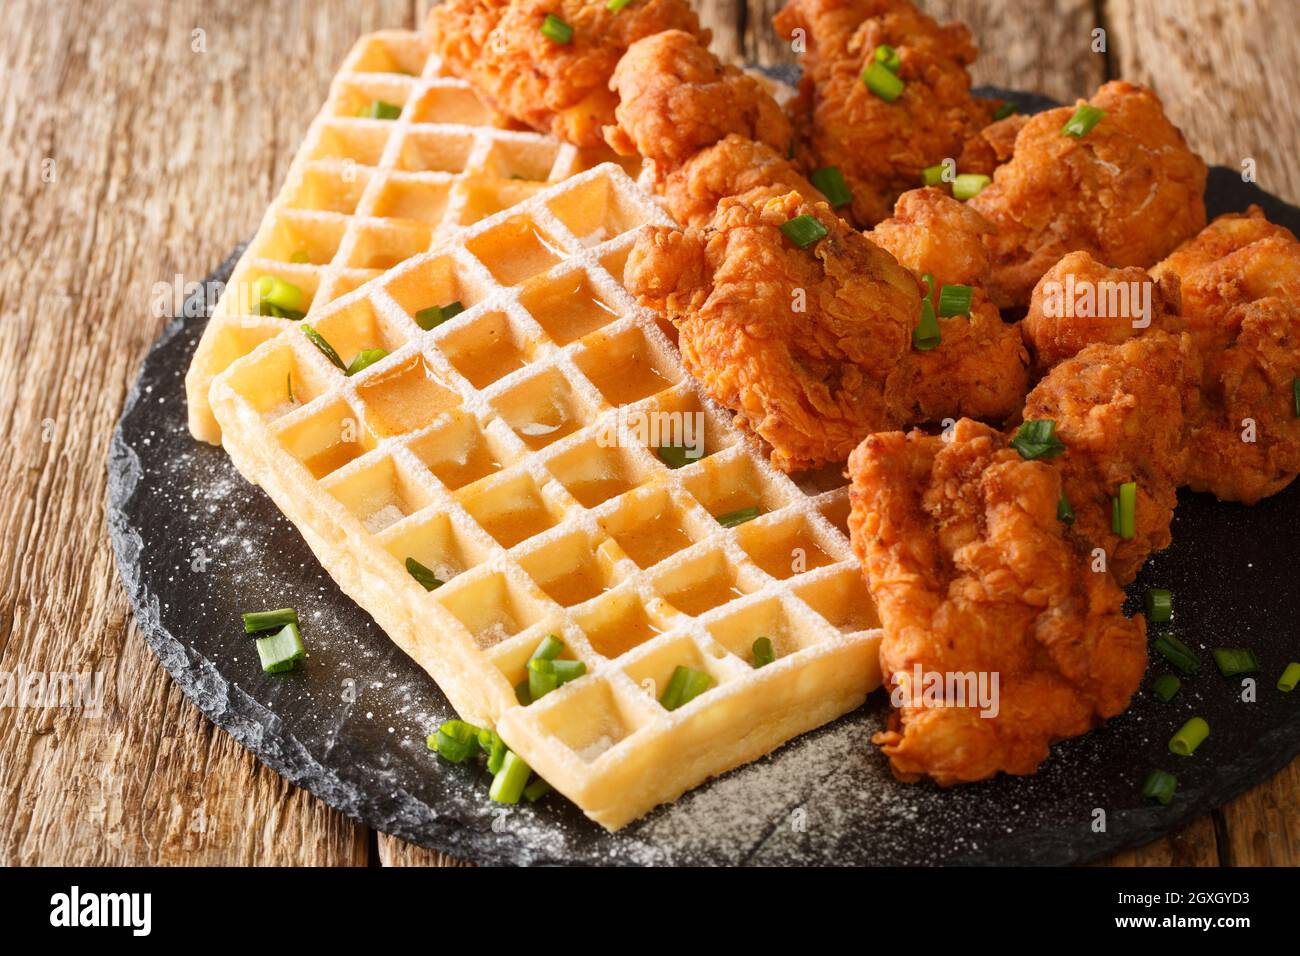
(196, 545)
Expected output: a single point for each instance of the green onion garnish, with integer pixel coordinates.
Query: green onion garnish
(1082, 122)
(454, 741)
(381, 110)
(364, 359)
(490, 742)
(684, 686)
(932, 175)
(435, 315)
(954, 300)
(733, 518)
(545, 674)
(881, 81)
(888, 57)
(969, 185)
(803, 230)
(541, 678)
(1036, 440)
(1190, 736)
(508, 784)
(763, 652)
(423, 576)
(1006, 109)
(678, 456)
(539, 787)
(1064, 513)
(521, 693)
(1165, 687)
(928, 281)
(273, 293)
(830, 183)
(1160, 605)
(613, 6)
(556, 30)
(550, 648)
(1290, 678)
(1177, 653)
(282, 650)
(1160, 786)
(255, 621)
(566, 671)
(1235, 660)
(926, 334)
(1127, 510)
(327, 350)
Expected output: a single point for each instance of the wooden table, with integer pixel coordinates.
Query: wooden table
(136, 153)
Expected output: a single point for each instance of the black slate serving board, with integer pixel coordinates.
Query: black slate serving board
(196, 546)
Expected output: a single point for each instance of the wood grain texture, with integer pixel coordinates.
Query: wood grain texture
(163, 158)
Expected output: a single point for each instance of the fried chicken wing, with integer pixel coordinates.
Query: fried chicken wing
(555, 87)
(973, 574)
(1119, 411)
(880, 147)
(1127, 192)
(1079, 301)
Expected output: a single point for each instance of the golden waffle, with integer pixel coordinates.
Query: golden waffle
(483, 449)
(364, 194)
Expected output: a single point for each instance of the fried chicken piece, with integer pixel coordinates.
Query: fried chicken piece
(558, 88)
(880, 147)
(1119, 410)
(1079, 301)
(1240, 281)
(991, 146)
(807, 346)
(1127, 192)
(730, 167)
(973, 574)
(979, 369)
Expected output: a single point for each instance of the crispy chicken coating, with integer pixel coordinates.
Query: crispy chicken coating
(930, 232)
(880, 147)
(973, 574)
(1127, 192)
(730, 167)
(559, 88)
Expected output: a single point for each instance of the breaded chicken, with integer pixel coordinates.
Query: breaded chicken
(1127, 192)
(973, 574)
(880, 147)
(1079, 301)
(807, 346)
(730, 167)
(1119, 411)
(991, 146)
(555, 87)
(930, 232)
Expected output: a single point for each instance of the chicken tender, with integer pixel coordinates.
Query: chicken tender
(554, 87)
(880, 147)
(1127, 192)
(730, 167)
(973, 574)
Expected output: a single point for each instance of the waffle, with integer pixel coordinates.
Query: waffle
(513, 450)
(363, 194)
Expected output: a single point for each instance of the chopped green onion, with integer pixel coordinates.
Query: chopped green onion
(803, 230)
(521, 693)
(278, 294)
(1190, 736)
(1036, 440)
(282, 650)
(381, 110)
(881, 81)
(1160, 786)
(366, 358)
(255, 621)
(684, 686)
(613, 6)
(490, 742)
(1295, 395)
(830, 183)
(550, 648)
(1160, 605)
(423, 576)
(541, 678)
(678, 456)
(455, 741)
(926, 335)
(327, 350)
(763, 652)
(1127, 510)
(1064, 513)
(888, 57)
(969, 185)
(1177, 653)
(733, 518)
(508, 784)
(300, 258)
(954, 300)
(1235, 660)
(928, 281)
(1165, 687)
(1114, 514)
(539, 787)
(1082, 122)
(435, 315)
(1006, 109)
(556, 30)
(1290, 678)
(932, 175)
(566, 671)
